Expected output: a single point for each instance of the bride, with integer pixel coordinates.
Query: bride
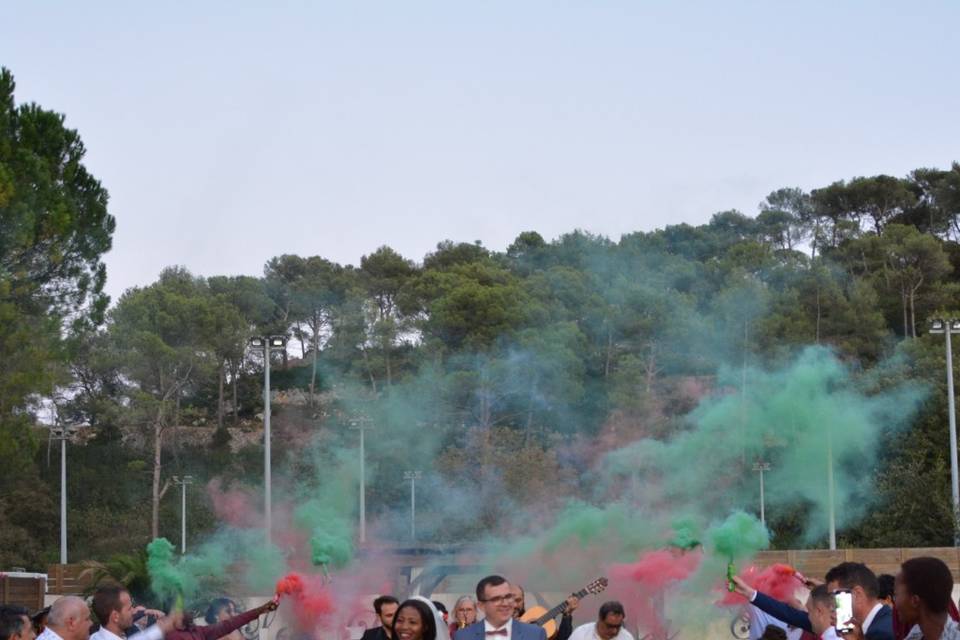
(418, 619)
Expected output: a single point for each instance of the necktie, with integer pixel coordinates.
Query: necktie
(498, 632)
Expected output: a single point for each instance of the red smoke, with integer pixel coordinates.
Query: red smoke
(644, 584)
(312, 601)
(779, 581)
(234, 506)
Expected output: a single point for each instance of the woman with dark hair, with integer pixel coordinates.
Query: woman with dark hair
(221, 610)
(415, 620)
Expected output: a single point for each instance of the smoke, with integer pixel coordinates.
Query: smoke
(658, 498)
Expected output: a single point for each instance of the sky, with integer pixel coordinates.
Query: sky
(231, 132)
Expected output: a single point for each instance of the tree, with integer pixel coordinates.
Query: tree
(786, 218)
(54, 230)
(384, 275)
(162, 334)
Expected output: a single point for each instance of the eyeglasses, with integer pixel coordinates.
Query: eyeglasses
(500, 599)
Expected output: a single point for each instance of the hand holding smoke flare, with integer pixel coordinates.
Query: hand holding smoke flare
(738, 537)
(311, 599)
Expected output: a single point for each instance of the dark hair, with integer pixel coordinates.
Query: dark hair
(489, 581)
(440, 606)
(216, 606)
(40, 619)
(854, 574)
(106, 600)
(611, 607)
(11, 620)
(930, 580)
(382, 600)
(773, 632)
(821, 595)
(426, 618)
(885, 582)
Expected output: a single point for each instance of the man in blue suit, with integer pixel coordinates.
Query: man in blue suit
(496, 601)
(873, 618)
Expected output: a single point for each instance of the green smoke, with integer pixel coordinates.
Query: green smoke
(739, 536)
(166, 579)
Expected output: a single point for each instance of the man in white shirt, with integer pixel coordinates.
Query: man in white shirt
(609, 625)
(69, 619)
(114, 609)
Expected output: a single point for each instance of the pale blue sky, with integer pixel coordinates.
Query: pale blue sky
(230, 132)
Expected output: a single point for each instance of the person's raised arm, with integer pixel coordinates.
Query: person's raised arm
(215, 631)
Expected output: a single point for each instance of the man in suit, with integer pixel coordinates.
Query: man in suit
(871, 615)
(497, 603)
(874, 619)
(386, 609)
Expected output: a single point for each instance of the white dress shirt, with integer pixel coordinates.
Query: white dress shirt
(153, 632)
(589, 632)
(870, 616)
(49, 634)
(508, 625)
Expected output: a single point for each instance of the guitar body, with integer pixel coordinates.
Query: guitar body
(535, 613)
(546, 618)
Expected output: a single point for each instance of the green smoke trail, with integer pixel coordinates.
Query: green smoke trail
(739, 536)
(166, 579)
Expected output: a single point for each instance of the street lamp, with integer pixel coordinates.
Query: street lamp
(63, 433)
(761, 466)
(267, 344)
(183, 482)
(948, 326)
(361, 423)
(413, 476)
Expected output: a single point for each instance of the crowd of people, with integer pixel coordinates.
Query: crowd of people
(502, 606)
(917, 604)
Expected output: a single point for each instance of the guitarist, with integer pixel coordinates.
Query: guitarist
(566, 621)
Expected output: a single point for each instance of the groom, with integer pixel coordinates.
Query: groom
(496, 601)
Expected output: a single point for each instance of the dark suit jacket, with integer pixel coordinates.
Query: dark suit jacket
(375, 633)
(520, 631)
(880, 629)
(882, 626)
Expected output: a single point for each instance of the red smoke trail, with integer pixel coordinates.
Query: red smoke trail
(780, 581)
(236, 507)
(312, 602)
(645, 582)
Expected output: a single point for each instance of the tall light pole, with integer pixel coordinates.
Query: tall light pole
(183, 482)
(413, 476)
(63, 433)
(948, 326)
(267, 344)
(830, 492)
(361, 423)
(761, 466)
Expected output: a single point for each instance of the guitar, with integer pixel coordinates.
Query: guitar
(546, 619)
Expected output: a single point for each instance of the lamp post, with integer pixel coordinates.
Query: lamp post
(761, 466)
(413, 476)
(267, 344)
(183, 482)
(948, 326)
(361, 423)
(63, 433)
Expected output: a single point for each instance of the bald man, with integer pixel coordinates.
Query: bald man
(69, 619)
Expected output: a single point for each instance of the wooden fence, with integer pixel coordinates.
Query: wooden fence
(815, 563)
(65, 580)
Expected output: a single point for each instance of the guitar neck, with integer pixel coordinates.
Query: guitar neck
(560, 608)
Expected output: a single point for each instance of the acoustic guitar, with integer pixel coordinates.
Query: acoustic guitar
(547, 619)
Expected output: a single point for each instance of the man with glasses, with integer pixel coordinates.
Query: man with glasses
(609, 625)
(497, 602)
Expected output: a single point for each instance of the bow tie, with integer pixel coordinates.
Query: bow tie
(498, 632)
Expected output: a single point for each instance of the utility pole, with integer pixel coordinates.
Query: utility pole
(413, 476)
(949, 326)
(267, 345)
(762, 466)
(183, 482)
